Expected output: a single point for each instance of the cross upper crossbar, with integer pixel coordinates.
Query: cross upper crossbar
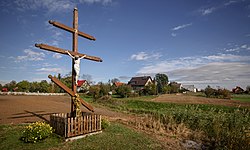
(62, 51)
(72, 30)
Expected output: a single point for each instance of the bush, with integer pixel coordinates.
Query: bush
(35, 132)
(220, 93)
(105, 123)
(94, 91)
(124, 91)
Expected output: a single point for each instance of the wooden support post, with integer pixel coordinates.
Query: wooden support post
(74, 49)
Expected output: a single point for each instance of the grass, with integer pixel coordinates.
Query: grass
(116, 136)
(224, 127)
(241, 97)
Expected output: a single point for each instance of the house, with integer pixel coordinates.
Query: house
(82, 86)
(237, 90)
(4, 90)
(190, 88)
(117, 84)
(138, 83)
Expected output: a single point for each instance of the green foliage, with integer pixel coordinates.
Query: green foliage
(104, 89)
(35, 132)
(105, 123)
(94, 91)
(23, 86)
(248, 89)
(220, 93)
(150, 89)
(224, 127)
(124, 91)
(162, 80)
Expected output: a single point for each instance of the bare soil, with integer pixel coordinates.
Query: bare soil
(187, 99)
(26, 109)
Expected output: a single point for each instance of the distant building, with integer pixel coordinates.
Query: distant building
(237, 90)
(190, 88)
(82, 86)
(117, 84)
(138, 83)
(4, 90)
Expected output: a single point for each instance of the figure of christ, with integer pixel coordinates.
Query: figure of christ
(77, 61)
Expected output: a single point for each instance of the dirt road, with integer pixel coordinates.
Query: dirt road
(25, 109)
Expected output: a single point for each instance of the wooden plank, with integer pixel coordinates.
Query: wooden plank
(60, 84)
(63, 51)
(89, 107)
(69, 29)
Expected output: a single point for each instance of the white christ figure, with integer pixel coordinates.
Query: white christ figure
(77, 61)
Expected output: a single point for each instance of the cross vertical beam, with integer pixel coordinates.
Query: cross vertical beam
(74, 49)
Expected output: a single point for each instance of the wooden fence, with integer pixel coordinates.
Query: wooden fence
(68, 126)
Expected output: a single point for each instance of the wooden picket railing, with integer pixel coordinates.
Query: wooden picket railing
(68, 126)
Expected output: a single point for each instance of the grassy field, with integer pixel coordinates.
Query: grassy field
(241, 97)
(224, 127)
(116, 136)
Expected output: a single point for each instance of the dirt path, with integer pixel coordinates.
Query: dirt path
(185, 99)
(25, 109)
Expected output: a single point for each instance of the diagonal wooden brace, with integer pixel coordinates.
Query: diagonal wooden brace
(70, 92)
(62, 51)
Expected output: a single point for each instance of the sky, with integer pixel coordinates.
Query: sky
(195, 42)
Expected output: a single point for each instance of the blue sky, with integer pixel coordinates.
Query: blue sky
(200, 42)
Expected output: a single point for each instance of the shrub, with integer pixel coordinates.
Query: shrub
(105, 123)
(94, 91)
(35, 132)
(124, 91)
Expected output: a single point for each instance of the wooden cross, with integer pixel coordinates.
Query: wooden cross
(74, 52)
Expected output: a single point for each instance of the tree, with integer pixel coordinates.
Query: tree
(94, 91)
(23, 86)
(124, 90)
(1, 86)
(104, 89)
(210, 92)
(248, 89)
(88, 78)
(162, 80)
(115, 80)
(150, 89)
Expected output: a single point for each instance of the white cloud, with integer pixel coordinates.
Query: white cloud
(50, 5)
(103, 2)
(207, 11)
(227, 57)
(55, 5)
(230, 2)
(30, 56)
(181, 26)
(145, 56)
(173, 34)
(48, 70)
(57, 56)
(221, 69)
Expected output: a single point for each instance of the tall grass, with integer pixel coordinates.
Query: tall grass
(224, 127)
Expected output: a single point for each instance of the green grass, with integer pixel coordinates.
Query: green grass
(10, 139)
(226, 127)
(241, 97)
(116, 136)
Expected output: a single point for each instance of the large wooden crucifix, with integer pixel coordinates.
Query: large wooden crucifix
(74, 53)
